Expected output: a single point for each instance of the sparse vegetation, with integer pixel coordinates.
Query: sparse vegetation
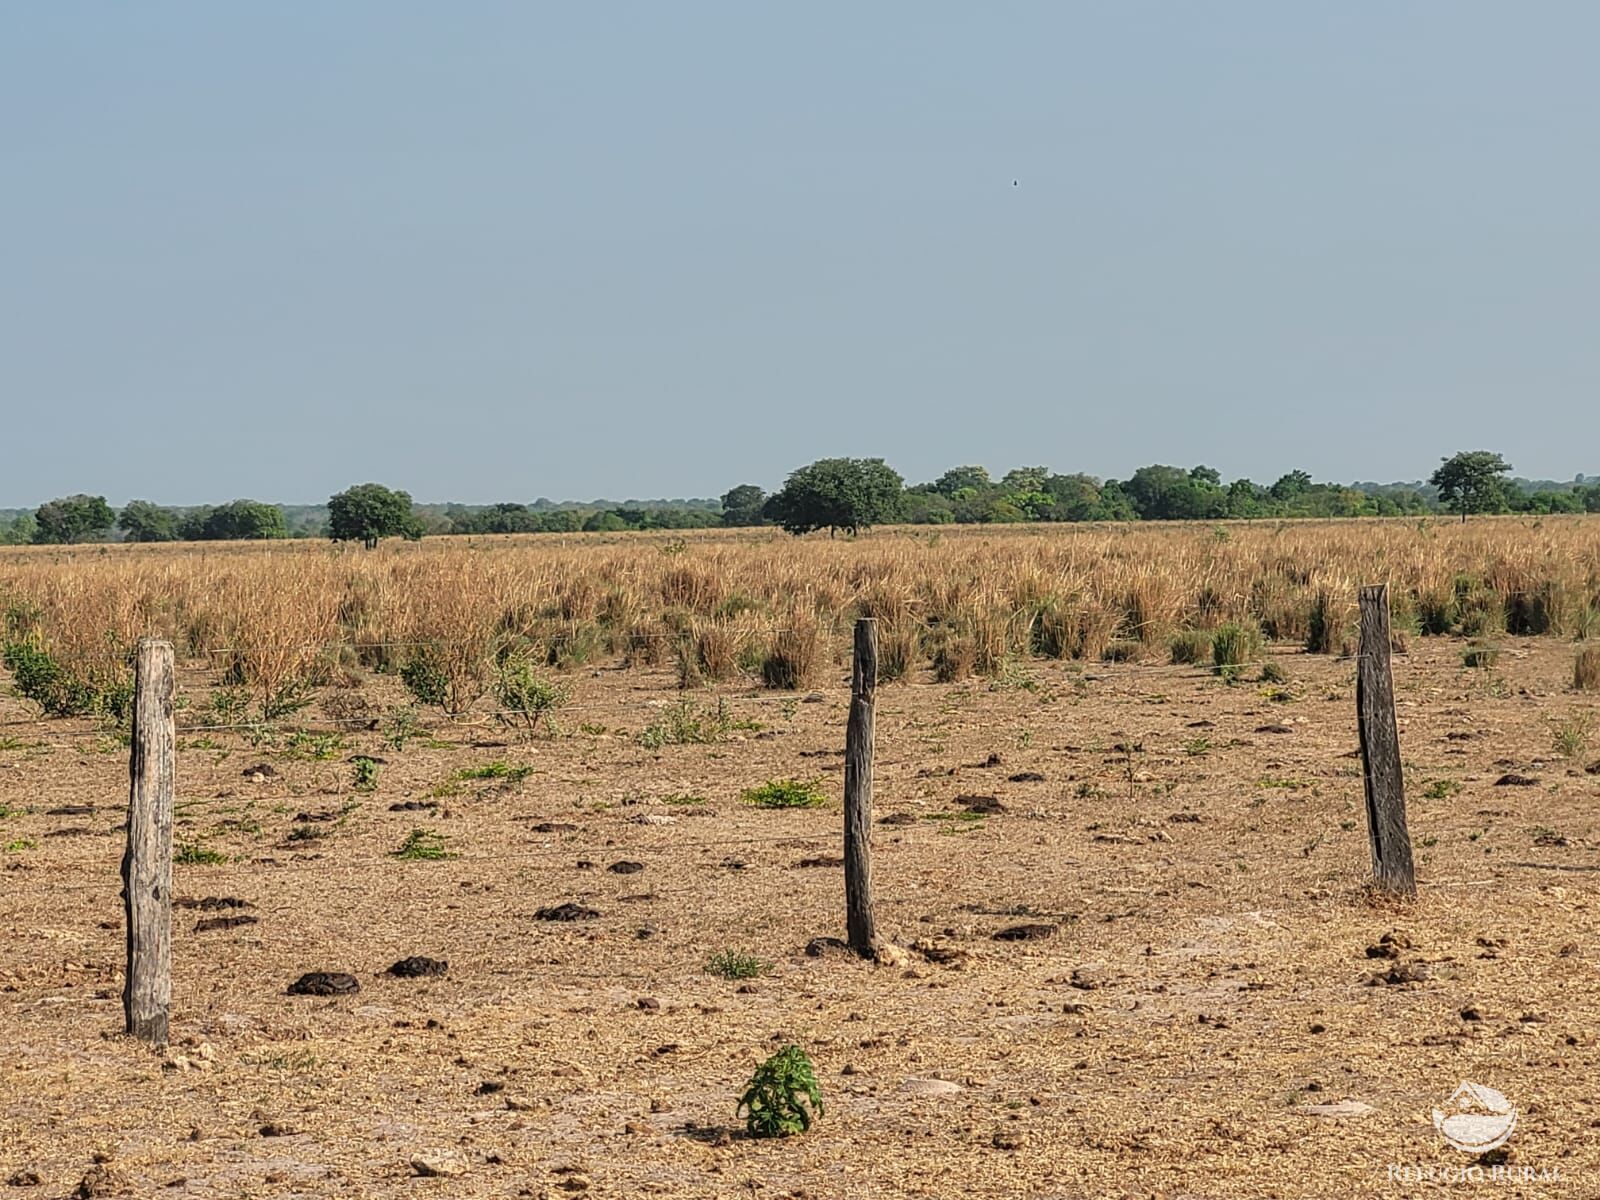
(422, 845)
(782, 1097)
(736, 964)
(197, 854)
(785, 793)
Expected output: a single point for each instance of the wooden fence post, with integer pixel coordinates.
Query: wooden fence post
(860, 926)
(147, 862)
(1390, 841)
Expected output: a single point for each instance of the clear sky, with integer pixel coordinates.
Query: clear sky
(493, 251)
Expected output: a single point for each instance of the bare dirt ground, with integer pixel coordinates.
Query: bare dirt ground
(1197, 852)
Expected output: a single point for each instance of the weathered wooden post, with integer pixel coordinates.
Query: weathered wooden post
(1390, 841)
(861, 931)
(147, 862)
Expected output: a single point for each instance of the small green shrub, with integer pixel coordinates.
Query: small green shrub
(736, 964)
(426, 679)
(364, 774)
(1191, 646)
(1272, 672)
(499, 769)
(525, 695)
(198, 854)
(782, 1097)
(1234, 647)
(686, 724)
(422, 845)
(38, 676)
(785, 793)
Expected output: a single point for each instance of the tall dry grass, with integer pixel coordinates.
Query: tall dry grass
(720, 605)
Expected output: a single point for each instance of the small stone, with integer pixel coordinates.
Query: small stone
(1472, 1013)
(419, 967)
(1025, 933)
(438, 1164)
(324, 983)
(625, 868)
(565, 912)
(1087, 979)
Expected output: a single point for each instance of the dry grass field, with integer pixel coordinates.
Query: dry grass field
(1200, 972)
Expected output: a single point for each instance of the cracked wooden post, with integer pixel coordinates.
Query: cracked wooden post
(861, 931)
(1389, 839)
(147, 862)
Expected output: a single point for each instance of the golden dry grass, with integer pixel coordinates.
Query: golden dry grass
(276, 616)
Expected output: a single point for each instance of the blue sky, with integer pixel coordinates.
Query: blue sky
(503, 250)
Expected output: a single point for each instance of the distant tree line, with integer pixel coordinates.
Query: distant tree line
(836, 494)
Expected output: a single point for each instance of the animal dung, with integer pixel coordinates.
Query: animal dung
(325, 983)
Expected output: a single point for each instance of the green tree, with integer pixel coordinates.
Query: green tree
(143, 521)
(958, 478)
(369, 512)
(70, 519)
(1025, 479)
(742, 505)
(1291, 485)
(1473, 481)
(244, 521)
(20, 531)
(837, 493)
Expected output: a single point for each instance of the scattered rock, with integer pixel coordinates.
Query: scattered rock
(1088, 979)
(1025, 933)
(887, 954)
(625, 868)
(1389, 945)
(566, 912)
(491, 1087)
(1339, 1108)
(438, 1164)
(102, 1179)
(1411, 972)
(324, 983)
(1025, 777)
(418, 967)
(1515, 780)
(944, 956)
(917, 1086)
(828, 947)
(209, 924)
(899, 818)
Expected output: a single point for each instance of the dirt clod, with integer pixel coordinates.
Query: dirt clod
(418, 967)
(325, 983)
(565, 912)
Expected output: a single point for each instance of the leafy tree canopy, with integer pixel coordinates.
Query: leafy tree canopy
(369, 512)
(1473, 481)
(837, 493)
(71, 519)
